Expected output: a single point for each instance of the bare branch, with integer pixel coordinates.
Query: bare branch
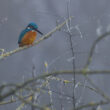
(91, 104)
(93, 48)
(43, 76)
(2, 56)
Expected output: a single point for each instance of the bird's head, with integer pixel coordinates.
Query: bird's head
(34, 26)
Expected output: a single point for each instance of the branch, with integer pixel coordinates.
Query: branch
(93, 48)
(43, 76)
(12, 100)
(3, 55)
(98, 91)
(27, 101)
(92, 104)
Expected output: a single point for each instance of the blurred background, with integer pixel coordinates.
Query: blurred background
(91, 19)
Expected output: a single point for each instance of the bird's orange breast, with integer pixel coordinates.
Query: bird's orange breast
(28, 38)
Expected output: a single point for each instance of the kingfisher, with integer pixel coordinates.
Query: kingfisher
(28, 35)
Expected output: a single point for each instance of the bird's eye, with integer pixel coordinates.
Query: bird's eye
(28, 27)
(31, 26)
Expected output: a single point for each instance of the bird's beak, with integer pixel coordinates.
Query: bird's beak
(39, 31)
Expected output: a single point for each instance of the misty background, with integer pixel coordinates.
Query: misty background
(91, 19)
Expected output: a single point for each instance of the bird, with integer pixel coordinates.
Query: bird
(28, 35)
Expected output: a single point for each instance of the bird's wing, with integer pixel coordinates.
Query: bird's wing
(22, 34)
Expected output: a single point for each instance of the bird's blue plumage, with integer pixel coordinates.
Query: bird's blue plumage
(31, 26)
(23, 33)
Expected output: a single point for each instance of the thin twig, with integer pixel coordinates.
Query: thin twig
(33, 87)
(68, 24)
(29, 81)
(93, 48)
(98, 90)
(13, 100)
(29, 102)
(91, 104)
